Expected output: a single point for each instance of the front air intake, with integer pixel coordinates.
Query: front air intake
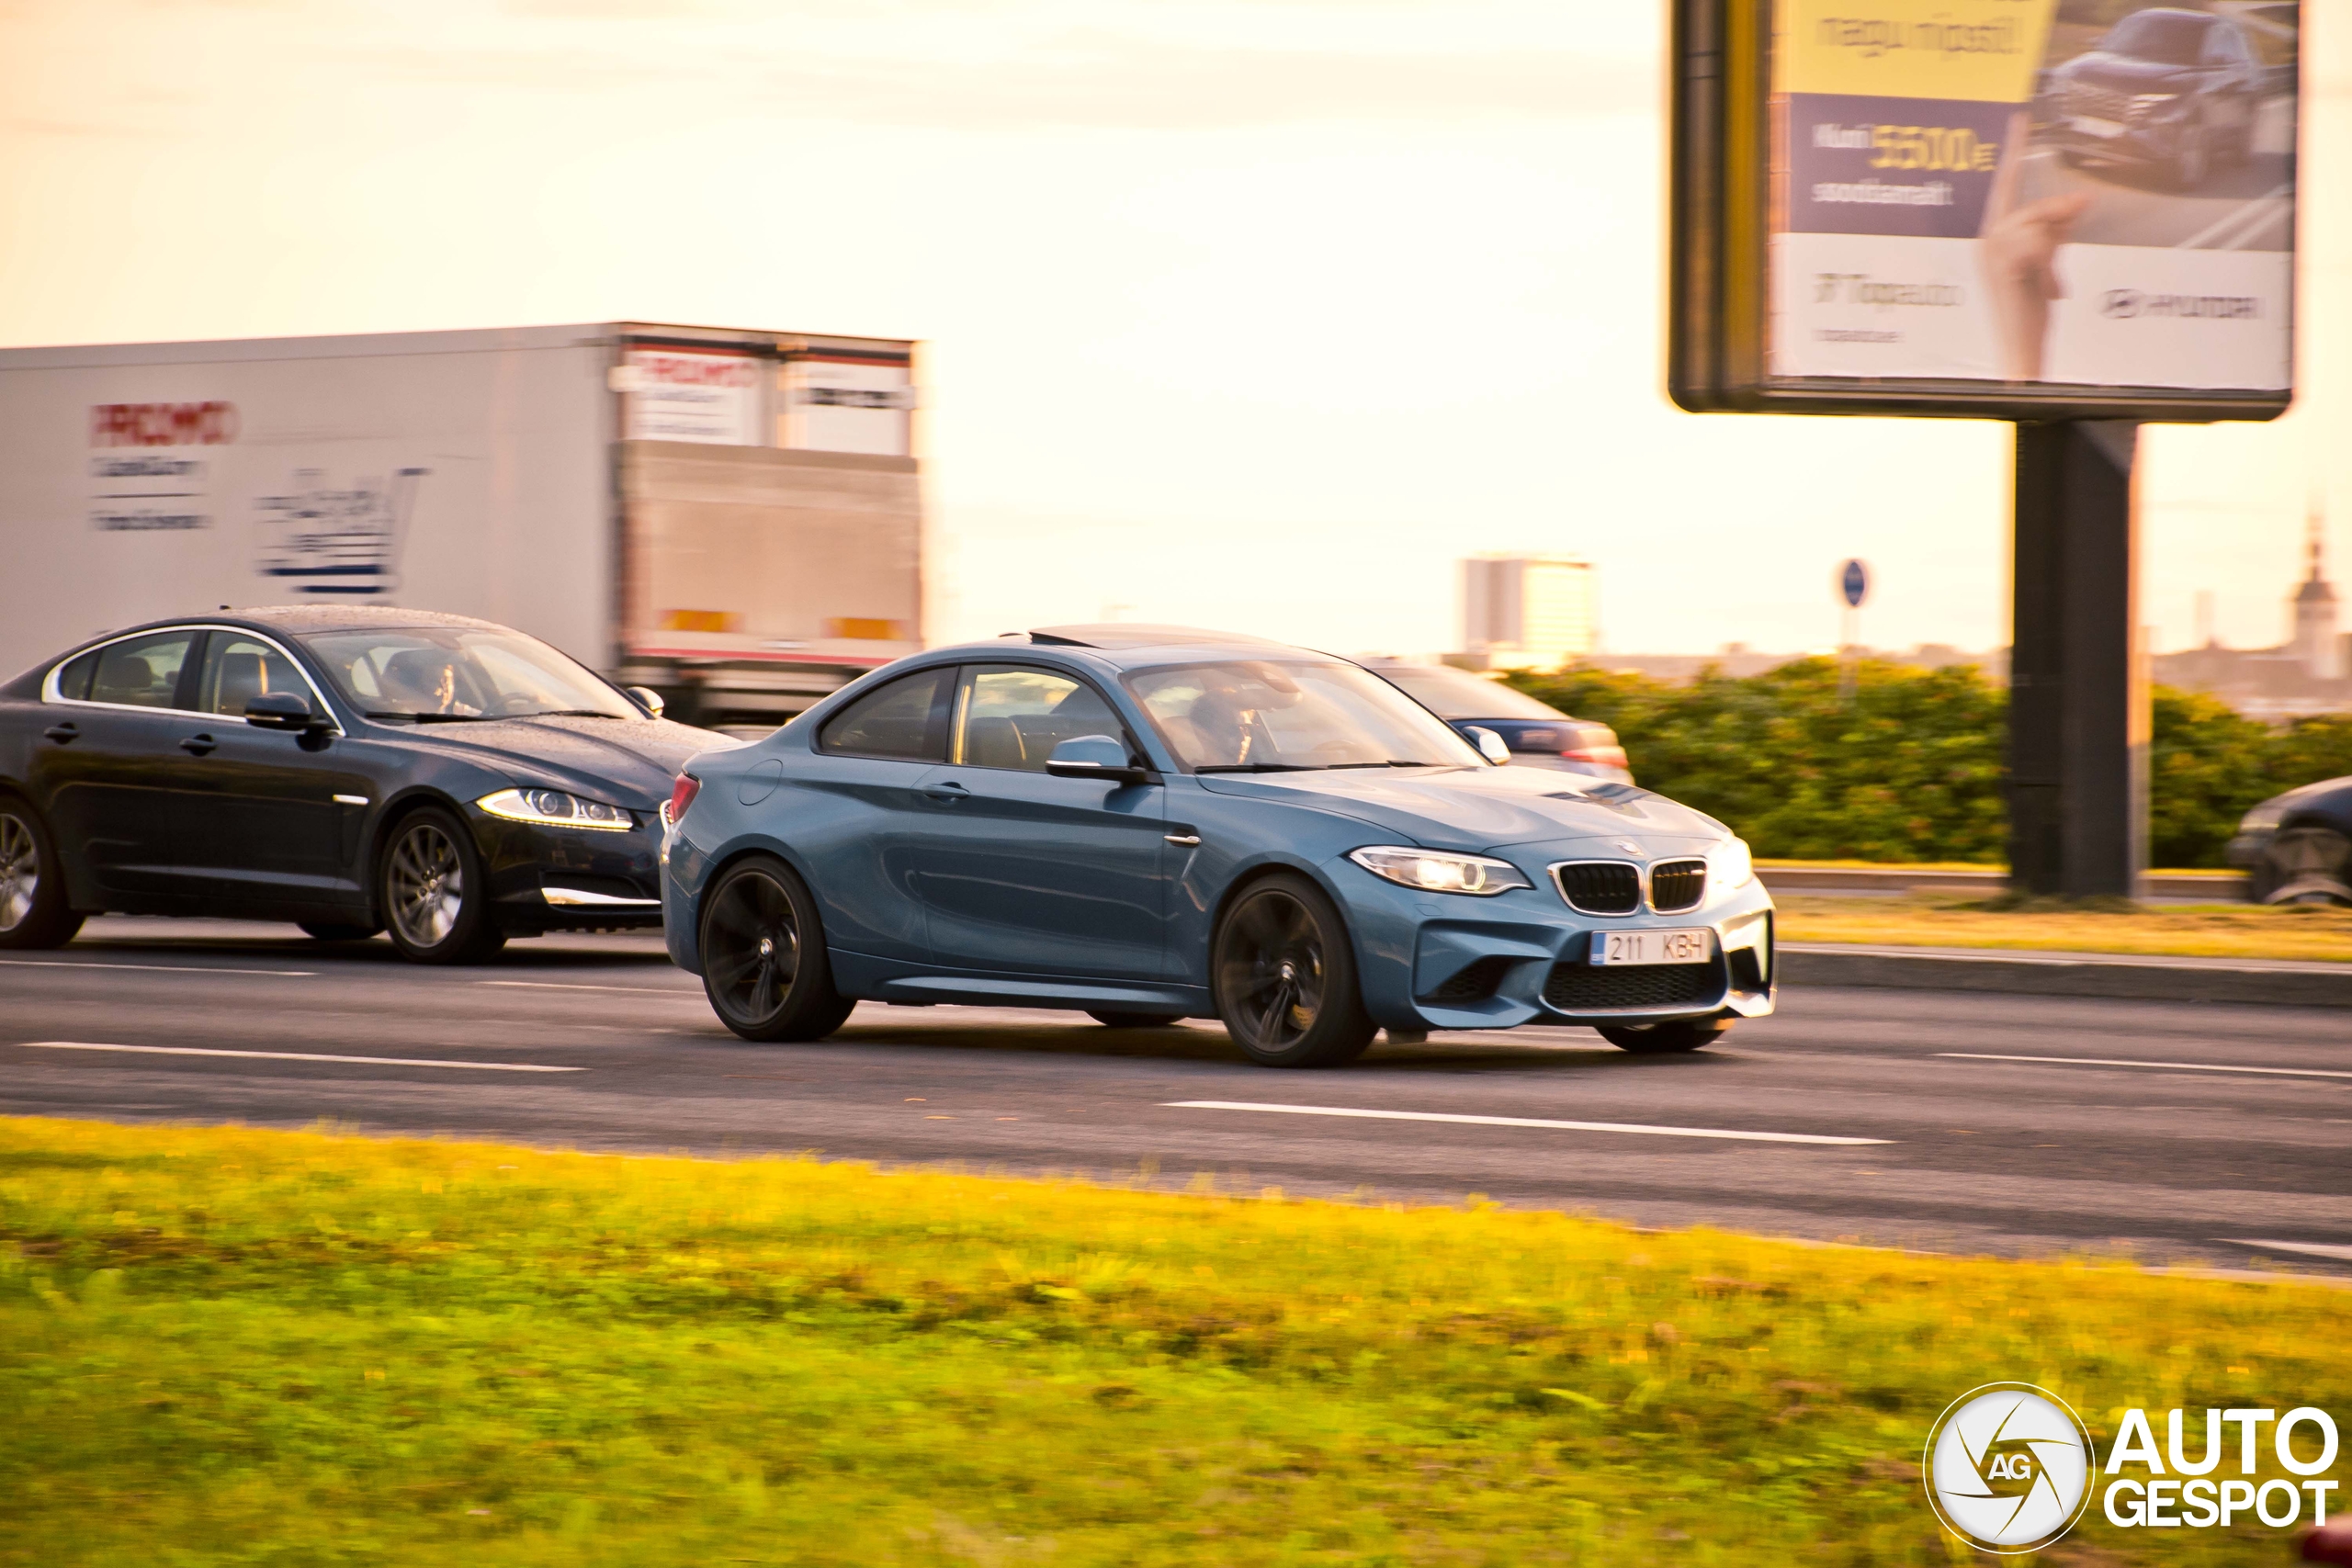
(1599, 887)
(1678, 884)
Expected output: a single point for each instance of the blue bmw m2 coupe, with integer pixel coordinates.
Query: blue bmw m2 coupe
(1149, 823)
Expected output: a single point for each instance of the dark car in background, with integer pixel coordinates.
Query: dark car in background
(1538, 736)
(2296, 848)
(353, 770)
(2174, 90)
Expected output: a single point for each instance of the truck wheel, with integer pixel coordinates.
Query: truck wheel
(1284, 977)
(1663, 1039)
(436, 899)
(33, 913)
(764, 964)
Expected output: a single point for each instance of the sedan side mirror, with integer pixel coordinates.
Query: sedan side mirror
(647, 698)
(283, 710)
(1095, 757)
(1490, 746)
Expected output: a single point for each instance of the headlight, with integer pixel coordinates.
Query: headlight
(553, 808)
(2262, 817)
(1432, 870)
(2148, 103)
(1729, 865)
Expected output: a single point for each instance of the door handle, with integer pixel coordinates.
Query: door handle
(945, 794)
(62, 734)
(199, 745)
(1187, 840)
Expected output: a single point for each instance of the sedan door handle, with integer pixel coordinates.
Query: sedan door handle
(62, 734)
(1187, 840)
(199, 745)
(945, 794)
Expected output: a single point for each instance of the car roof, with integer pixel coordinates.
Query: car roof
(1128, 645)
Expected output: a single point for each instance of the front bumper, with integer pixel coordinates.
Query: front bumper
(2142, 141)
(552, 879)
(1438, 961)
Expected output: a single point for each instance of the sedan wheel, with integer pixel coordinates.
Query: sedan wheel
(437, 901)
(2309, 865)
(1286, 978)
(764, 964)
(32, 893)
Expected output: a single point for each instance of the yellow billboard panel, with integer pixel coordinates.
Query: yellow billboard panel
(1982, 50)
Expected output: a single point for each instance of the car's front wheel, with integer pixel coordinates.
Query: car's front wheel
(2307, 865)
(1284, 975)
(764, 964)
(33, 911)
(435, 897)
(1664, 1038)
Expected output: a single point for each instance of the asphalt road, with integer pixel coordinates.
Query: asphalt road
(2158, 1157)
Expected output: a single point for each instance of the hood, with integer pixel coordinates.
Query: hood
(2129, 74)
(616, 760)
(1475, 810)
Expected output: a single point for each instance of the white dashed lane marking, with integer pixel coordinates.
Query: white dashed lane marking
(1520, 1121)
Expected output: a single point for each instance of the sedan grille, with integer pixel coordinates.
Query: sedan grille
(2101, 103)
(1599, 887)
(1586, 988)
(1678, 884)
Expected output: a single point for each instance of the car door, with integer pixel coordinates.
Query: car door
(103, 769)
(259, 814)
(1022, 872)
(854, 818)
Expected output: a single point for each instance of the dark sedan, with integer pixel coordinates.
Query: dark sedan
(1536, 734)
(2297, 847)
(352, 769)
(2176, 90)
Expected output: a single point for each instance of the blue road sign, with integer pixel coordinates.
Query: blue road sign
(1854, 582)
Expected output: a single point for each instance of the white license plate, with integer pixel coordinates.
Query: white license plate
(2090, 127)
(1691, 944)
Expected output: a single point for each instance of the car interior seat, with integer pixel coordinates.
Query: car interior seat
(242, 677)
(995, 742)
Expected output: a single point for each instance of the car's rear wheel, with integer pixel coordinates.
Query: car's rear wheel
(1665, 1039)
(33, 911)
(435, 897)
(328, 931)
(2307, 865)
(763, 962)
(1284, 977)
(1110, 1020)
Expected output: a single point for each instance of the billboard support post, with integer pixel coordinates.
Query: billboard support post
(2078, 708)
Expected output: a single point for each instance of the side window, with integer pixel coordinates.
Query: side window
(1014, 718)
(239, 669)
(73, 680)
(905, 719)
(141, 671)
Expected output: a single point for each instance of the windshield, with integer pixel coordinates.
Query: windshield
(1457, 694)
(1264, 716)
(453, 672)
(2165, 37)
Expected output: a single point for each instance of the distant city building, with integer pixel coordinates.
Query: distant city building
(2306, 674)
(1528, 611)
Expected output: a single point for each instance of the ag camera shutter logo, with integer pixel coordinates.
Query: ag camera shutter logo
(2008, 1468)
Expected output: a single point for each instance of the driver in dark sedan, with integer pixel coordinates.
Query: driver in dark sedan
(425, 680)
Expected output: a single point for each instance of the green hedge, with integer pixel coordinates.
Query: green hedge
(1908, 766)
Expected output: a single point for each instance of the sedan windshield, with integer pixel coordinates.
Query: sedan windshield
(1264, 716)
(442, 673)
(2165, 37)
(1456, 693)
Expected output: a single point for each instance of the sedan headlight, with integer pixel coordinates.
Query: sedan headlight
(1434, 870)
(553, 808)
(1730, 866)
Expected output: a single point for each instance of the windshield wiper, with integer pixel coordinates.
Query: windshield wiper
(1392, 762)
(565, 713)
(1261, 768)
(433, 717)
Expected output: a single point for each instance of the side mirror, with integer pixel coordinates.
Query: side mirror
(1490, 746)
(647, 698)
(1095, 757)
(283, 710)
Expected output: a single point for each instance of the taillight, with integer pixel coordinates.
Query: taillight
(682, 794)
(1598, 756)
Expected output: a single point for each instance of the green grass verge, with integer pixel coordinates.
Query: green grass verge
(2304, 932)
(227, 1346)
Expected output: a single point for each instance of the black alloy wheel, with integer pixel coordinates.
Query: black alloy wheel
(1112, 1019)
(764, 964)
(2306, 866)
(331, 930)
(1284, 977)
(435, 899)
(1665, 1039)
(33, 912)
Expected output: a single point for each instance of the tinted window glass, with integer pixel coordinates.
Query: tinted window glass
(1014, 718)
(73, 680)
(1242, 714)
(906, 718)
(2167, 38)
(460, 672)
(239, 669)
(1457, 694)
(141, 671)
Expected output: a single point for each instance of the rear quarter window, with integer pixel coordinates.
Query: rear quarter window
(74, 676)
(905, 720)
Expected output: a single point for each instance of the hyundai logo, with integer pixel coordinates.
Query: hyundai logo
(2122, 302)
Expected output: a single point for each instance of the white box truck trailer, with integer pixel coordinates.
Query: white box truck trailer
(733, 518)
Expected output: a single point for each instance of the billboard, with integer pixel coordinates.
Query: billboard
(2020, 208)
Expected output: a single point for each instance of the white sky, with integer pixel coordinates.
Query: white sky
(1254, 314)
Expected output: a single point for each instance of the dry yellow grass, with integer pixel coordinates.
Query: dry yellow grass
(2188, 930)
